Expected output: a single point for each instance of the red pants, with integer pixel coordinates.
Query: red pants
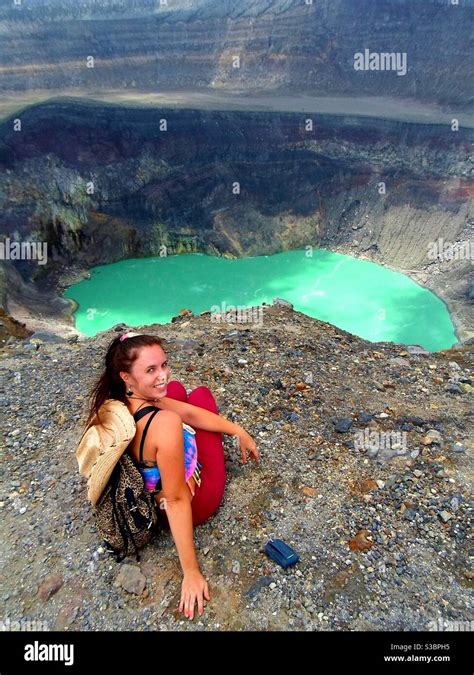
(208, 495)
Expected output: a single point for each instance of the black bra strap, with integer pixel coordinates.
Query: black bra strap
(146, 429)
(142, 412)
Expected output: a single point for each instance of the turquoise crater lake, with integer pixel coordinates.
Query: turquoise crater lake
(359, 296)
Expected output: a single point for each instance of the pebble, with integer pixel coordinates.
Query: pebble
(455, 503)
(131, 579)
(453, 389)
(445, 516)
(433, 436)
(343, 425)
(49, 586)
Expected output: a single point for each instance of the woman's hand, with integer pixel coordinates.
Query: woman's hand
(194, 588)
(247, 445)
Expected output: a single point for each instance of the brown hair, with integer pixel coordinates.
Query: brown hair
(119, 357)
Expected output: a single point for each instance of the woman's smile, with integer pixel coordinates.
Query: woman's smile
(160, 387)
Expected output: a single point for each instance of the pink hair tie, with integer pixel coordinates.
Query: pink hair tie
(128, 335)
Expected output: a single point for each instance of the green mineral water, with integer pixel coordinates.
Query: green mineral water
(359, 296)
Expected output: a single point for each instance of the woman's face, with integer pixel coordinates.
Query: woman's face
(149, 370)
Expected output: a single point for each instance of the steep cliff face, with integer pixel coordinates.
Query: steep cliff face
(102, 183)
(284, 46)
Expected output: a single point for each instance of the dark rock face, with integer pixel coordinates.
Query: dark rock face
(14, 290)
(102, 183)
(285, 46)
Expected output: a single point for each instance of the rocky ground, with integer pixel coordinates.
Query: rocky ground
(382, 533)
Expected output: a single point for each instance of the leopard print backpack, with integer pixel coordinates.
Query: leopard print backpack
(126, 514)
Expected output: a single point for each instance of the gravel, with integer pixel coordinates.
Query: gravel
(382, 533)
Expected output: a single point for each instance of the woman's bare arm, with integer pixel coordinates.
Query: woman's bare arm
(176, 499)
(208, 421)
(199, 417)
(184, 410)
(175, 496)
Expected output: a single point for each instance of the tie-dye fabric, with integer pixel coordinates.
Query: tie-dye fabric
(151, 476)
(190, 450)
(192, 467)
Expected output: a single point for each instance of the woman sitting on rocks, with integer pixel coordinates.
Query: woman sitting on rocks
(184, 468)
